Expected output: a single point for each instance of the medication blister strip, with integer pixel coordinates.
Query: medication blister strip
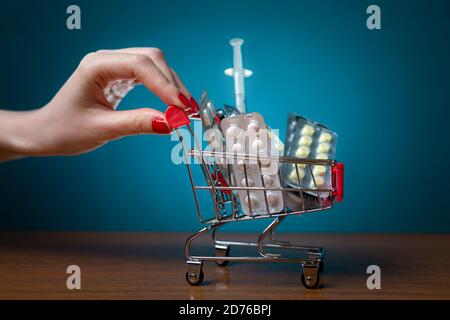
(309, 140)
(247, 134)
(213, 133)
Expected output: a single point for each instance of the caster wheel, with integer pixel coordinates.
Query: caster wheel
(222, 253)
(310, 283)
(194, 279)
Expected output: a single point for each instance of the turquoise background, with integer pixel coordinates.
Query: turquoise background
(385, 92)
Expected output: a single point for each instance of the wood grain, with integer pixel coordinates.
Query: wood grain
(152, 266)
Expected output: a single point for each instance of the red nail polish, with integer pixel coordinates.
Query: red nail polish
(194, 105)
(159, 125)
(184, 100)
(176, 117)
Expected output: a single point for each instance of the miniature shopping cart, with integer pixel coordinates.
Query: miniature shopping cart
(226, 207)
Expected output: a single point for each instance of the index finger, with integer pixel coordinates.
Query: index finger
(104, 67)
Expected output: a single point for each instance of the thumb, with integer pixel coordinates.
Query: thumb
(137, 121)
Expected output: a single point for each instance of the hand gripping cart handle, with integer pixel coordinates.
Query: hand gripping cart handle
(226, 208)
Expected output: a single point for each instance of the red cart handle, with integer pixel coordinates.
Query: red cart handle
(176, 117)
(338, 181)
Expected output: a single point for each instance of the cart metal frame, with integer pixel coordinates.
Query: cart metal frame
(225, 200)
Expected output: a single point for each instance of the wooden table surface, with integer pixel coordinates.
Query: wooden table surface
(152, 266)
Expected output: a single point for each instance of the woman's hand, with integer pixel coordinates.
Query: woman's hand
(82, 116)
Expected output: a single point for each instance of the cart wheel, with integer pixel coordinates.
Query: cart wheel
(222, 252)
(194, 279)
(194, 274)
(312, 283)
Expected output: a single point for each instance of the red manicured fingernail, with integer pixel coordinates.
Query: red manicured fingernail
(194, 105)
(184, 100)
(160, 125)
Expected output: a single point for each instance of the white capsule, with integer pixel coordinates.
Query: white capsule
(249, 180)
(319, 181)
(294, 177)
(307, 130)
(253, 126)
(238, 148)
(302, 152)
(322, 156)
(319, 170)
(305, 141)
(323, 147)
(252, 202)
(325, 137)
(233, 130)
(268, 180)
(272, 199)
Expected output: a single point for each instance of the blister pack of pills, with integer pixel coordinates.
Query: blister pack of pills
(213, 135)
(116, 90)
(211, 129)
(248, 135)
(309, 140)
(277, 144)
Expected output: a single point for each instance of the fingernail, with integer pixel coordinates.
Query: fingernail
(159, 125)
(184, 100)
(194, 105)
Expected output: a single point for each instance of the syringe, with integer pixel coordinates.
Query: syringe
(238, 73)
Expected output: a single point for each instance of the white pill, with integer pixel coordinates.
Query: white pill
(213, 139)
(307, 130)
(268, 180)
(272, 198)
(325, 137)
(252, 202)
(253, 126)
(265, 162)
(323, 147)
(241, 164)
(278, 146)
(302, 152)
(249, 180)
(238, 148)
(233, 130)
(319, 181)
(305, 141)
(258, 145)
(322, 156)
(293, 176)
(319, 170)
